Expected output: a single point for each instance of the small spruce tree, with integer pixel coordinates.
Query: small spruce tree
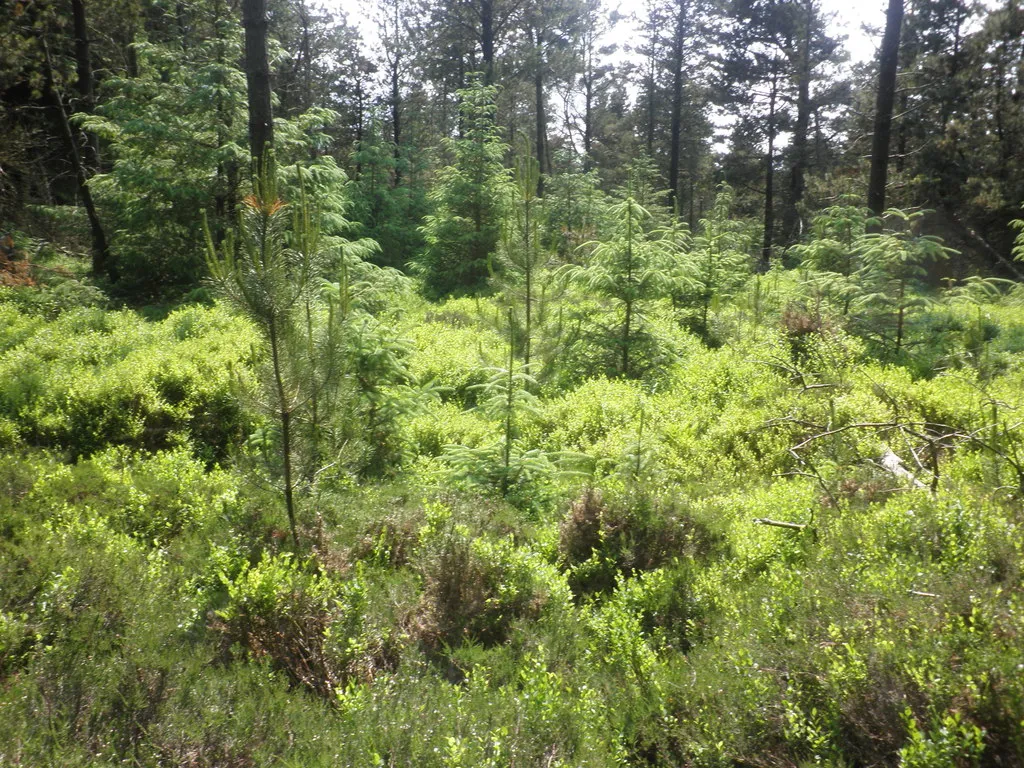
(470, 202)
(891, 275)
(719, 261)
(523, 258)
(630, 269)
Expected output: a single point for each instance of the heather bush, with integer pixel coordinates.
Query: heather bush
(474, 588)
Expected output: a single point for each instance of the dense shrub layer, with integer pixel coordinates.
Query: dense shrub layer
(632, 599)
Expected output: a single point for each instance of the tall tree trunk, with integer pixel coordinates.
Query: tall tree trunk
(588, 118)
(306, 56)
(528, 274)
(487, 39)
(86, 88)
(692, 174)
(132, 55)
(396, 114)
(360, 108)
(101, 261)
(257, 76)
(225, 199)
(650, 106)
(769, 179)
(791, 224)
(182, 24)
(285, 417)
(542, 122)
(677, 107)
(883, 110)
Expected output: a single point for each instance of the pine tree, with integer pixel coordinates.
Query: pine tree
(779, 55)
(676, 44)
(271, 283)
(718, 261)
(884, 103)
(175, 141)
(891, 274)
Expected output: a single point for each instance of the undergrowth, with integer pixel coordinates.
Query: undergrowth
(786, 541)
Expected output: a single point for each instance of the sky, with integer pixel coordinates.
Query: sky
(850, 18)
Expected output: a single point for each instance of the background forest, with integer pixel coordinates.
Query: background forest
(490, 396)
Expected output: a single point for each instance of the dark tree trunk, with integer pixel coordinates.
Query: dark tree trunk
(883, 110)
(542, 123)
(791, 224)
(395, 44)
(769, 179)
(226, 196)
(285, 417)
(487, 39)
(82, 62)
(257, 76)
(179, 20)
(693, 193)
(677, 108)
(396, 115)
(101, 261)
(86, 86)
(589, 79)
(650, 106)
(360, 108)
(306, 57)
(588, 119)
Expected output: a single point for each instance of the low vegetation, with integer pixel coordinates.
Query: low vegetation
(716, 519)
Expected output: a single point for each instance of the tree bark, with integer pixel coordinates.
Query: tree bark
(396, 114)
(651, 65)
(791, 225)
(780, 523)
(487, 39)
(86, 84)
(101, 261)
(769, 179)
(542, 122)
(588, 119)
(883, 110)
(285, 416)
(306, 56)
(257, 76)
(226, 197)
(677, 107)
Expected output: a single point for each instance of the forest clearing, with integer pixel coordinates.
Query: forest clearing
(509, 390)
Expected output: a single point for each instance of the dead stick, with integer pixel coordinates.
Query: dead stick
(780, 523)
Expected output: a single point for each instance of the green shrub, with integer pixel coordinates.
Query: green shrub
(92, 378)
(453, 357)
(154, 499)
(102, 615)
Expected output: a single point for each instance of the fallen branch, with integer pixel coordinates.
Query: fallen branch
(839, 430)
(922, 594)
(780, 523)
